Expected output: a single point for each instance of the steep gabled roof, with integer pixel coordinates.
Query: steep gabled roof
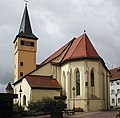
(9, 87)
(75, 49)
(81, 47)
(42, 82)
(115, 73)
(25, 29)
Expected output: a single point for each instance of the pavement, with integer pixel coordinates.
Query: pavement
(99, 114)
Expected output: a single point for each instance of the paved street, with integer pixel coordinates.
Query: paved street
(100, 114)
(108, 114)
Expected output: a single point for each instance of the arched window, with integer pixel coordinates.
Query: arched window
(92, 78)
(77, 82)
(24, 100)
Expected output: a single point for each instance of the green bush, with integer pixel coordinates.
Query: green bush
(60, 106)
(35, 106)
(48, 105)
(117, 107)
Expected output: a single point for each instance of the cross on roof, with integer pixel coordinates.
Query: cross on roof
(26, 1)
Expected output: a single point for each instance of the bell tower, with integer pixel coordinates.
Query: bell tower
(25, 47)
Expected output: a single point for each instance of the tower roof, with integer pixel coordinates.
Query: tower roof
(25, 29)
(77, 48)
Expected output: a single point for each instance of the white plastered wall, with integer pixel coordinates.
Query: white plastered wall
(38, 94)
(100, 79)
(26, 90)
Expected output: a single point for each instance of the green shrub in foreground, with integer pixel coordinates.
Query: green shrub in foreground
(47, 105)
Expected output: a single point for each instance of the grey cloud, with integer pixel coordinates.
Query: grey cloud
(5, 78)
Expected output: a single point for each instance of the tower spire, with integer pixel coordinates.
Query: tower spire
(25, 29)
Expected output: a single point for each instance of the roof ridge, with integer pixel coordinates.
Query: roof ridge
(71, 42)
(39, 75)
(66, 45)
(85, 45)
(92, 47)
(77, 45)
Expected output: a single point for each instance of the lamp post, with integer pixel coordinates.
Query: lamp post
(73, 99)
(20, 91)
(116, 98)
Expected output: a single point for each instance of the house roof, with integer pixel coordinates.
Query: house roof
(42, 82)
(25, 29)
(9, 87)
(115, 74)
(75, 49)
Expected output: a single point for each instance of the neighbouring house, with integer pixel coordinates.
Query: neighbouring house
(9, 88)
(76, 71)
(115, 87)
(6, 104)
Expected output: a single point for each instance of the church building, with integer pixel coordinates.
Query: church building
(75, 71)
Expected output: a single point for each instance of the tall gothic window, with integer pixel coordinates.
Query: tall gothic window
(92, 78)
(77, 82)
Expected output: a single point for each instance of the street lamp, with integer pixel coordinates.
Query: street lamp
(73, 99)
(116, 98)
(20, 91)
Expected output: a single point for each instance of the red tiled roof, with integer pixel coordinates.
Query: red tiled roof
(42, 82)
(115, 73)
(57, 53)
(76, 48)
(81, 47)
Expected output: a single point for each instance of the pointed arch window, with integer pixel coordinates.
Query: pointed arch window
(92, 79)
(24, 100)
(77, 82)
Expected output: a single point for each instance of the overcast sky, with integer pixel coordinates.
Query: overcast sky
(55, 22)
